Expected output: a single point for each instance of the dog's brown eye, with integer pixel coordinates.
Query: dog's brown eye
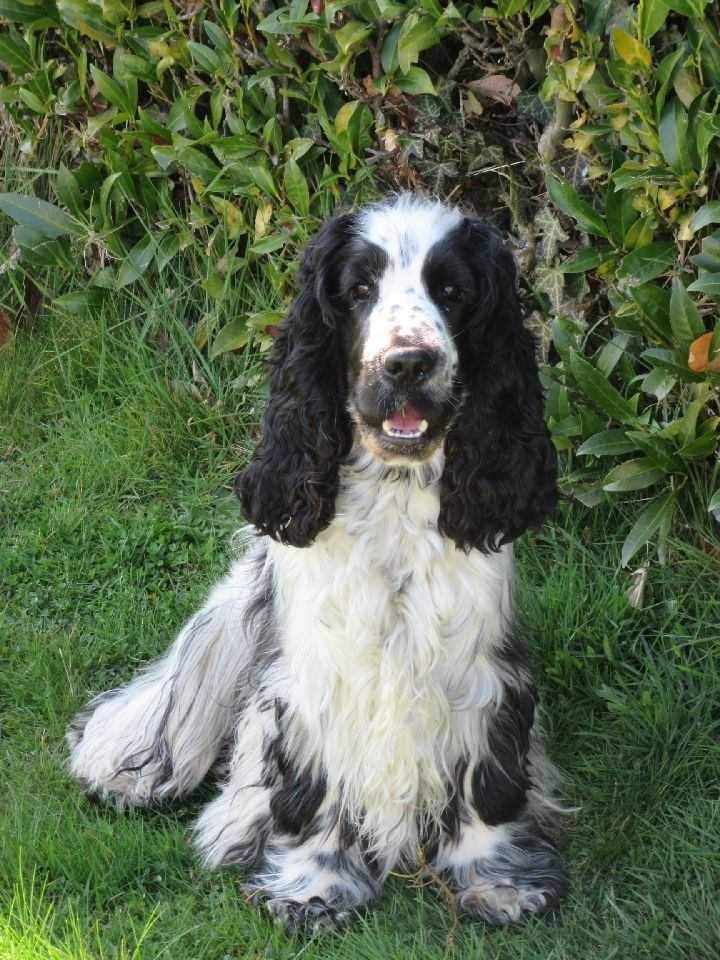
(361, 291)
(450, 293)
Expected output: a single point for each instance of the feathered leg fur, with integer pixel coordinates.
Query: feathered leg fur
(156, 738)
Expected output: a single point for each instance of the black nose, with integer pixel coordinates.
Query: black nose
(410, 365)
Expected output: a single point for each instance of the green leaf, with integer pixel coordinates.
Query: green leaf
(114, 92)
(218, 38)
(714, 501)
(215, 284)
(649, 262)
(270, 244)
(587, 259)
(600, 391)
(620, 213)
(632, 475)
(32, 101)
(19, 12)
(630, 50)
(204, 57)
(652, 14)
(673, 136)
(81, 300)
(607, 443)
(708, 284)
(508, 8)
(566, 198)
(674, 363)
(197, 162)
(136, 262)
(262, 178)
(416, 81)
(654, 301)
(685, 317)
(296, 188)
(15, 53)
(688, 8)
(43, 217)
(67, 190)
(416, 34)
(233, 336)
(351, 36)
(647, 524)
(707, 214)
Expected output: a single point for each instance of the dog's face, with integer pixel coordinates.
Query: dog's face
(403, 288)
(406, 334)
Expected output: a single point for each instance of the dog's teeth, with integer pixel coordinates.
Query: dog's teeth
(392, 431)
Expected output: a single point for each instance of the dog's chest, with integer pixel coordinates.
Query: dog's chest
(388, 632)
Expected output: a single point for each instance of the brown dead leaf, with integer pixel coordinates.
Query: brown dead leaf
(390, 140)
(33, 296)
(496, 87)
(4, 329)
(699, 355)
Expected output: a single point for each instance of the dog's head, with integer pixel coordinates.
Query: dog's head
(406, 334)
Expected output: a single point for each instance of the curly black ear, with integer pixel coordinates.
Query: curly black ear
(289, 487)
(501, 466)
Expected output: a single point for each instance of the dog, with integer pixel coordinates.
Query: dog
(361, 668)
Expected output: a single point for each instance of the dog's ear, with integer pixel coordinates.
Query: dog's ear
(501, 467)
(289, 487)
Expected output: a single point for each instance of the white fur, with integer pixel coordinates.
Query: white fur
(404, 312)
(186, 701)
(388, 634)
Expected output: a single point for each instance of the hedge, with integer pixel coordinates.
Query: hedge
(588, 131)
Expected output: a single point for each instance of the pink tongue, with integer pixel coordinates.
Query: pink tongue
(406, 419)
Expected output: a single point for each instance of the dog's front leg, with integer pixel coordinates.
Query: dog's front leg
(504, 873)
(494, 847)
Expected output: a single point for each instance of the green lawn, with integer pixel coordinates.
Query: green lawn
(116, 460)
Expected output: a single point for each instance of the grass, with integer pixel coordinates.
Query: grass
(118, 443)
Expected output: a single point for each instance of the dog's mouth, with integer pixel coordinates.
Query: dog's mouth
(407, 423)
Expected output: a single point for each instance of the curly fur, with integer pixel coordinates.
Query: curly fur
(288, 490)
(501, 467)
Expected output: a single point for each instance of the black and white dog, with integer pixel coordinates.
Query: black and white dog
(361, 665)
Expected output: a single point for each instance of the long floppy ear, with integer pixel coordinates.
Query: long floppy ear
(501, 466)
(289, 487)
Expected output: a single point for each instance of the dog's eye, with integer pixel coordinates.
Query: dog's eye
(360, 292)
(449, 293)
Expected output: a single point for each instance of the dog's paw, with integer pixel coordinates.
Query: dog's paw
(116, 756)
(307, 916)
(500, 906)
(522, 876)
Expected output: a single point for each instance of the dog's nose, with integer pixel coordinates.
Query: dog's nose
(410, 365)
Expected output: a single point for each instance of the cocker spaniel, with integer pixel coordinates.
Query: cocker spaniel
(361, 671)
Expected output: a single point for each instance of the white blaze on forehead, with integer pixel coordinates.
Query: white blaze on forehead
(406, 229)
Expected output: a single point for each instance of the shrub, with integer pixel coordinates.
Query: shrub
(634, 399)
(224, 132)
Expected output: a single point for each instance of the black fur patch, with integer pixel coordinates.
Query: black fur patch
(297, 797)
(500, 782)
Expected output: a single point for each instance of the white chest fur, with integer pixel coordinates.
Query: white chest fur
(388, 639)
